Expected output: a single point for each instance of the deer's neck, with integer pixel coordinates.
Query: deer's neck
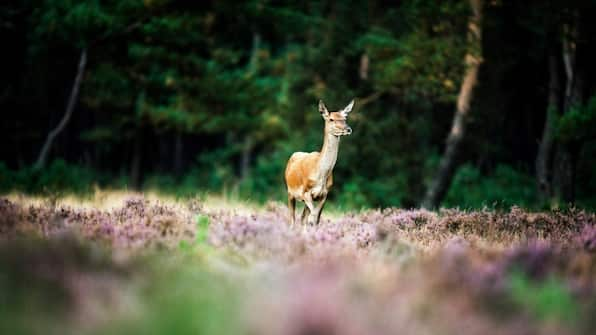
(328, 155)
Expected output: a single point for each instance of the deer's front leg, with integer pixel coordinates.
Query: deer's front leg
(305, 213)
(309, 204)
(319, 208)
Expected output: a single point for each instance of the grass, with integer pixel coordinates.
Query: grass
(549, 300)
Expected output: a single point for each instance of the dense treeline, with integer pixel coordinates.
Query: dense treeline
(212, 95)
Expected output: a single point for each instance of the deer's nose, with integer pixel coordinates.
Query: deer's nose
(349, 130)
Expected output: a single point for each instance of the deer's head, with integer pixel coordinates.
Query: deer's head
(335, 121)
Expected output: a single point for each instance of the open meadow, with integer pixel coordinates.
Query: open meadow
(153, 153)
(125, 263)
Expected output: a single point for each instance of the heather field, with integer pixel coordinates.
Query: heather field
(122, 263)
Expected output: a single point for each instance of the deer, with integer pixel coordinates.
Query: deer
(309, 176)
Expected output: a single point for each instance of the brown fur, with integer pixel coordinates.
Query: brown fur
(309, 176)
(300, 172)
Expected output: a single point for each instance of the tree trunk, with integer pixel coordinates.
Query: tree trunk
(440, 185)
(546, 143)
(248, 144)
(364, 66)
(74, 93)
(254, 54)
(563, 179)
(563, 175)
(245, 160)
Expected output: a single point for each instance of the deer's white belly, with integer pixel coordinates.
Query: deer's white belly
(317, 191)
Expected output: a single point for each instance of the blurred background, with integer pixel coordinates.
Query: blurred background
(458, 103)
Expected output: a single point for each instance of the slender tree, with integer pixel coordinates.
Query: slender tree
(566, 153)
(74, 94)
(543, 158)
(440, 185)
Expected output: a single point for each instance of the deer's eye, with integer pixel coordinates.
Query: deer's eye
(331, 120)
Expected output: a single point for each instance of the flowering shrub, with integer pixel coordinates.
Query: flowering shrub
(377, 271)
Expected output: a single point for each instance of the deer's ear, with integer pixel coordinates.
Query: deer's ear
(323, 109)
(348, 108)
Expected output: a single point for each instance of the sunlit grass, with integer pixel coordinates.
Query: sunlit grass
(110, 199)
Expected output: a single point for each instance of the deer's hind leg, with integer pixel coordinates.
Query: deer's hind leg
(292, 207)
(305, 213)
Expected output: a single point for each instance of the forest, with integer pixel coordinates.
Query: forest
(187, 97)
(145, 167)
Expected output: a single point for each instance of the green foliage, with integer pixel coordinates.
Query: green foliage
(58, 176)
(75, 22)
(32, 299)
(246, 85)
(61, 176)
(578, 123)
(503, 188)
(199, 245)
(546, 300)
(425, 60)
(266, 179)
(586, 173)
(185, 300)
(172, 298)
(359, 193)
(202, 229)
